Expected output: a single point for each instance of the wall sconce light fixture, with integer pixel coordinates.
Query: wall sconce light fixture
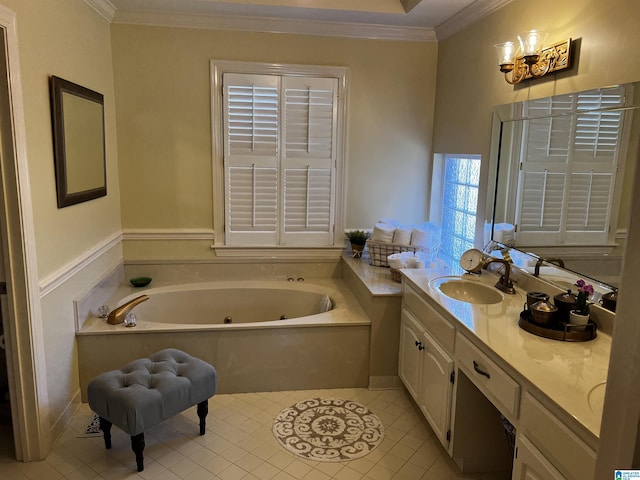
(533, 59)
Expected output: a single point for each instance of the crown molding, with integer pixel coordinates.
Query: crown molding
(276, 25)
(104, 8)
(467, 16)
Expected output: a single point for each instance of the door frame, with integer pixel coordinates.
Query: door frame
(24, 335)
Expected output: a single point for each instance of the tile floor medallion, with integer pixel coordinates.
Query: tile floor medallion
(328, 429)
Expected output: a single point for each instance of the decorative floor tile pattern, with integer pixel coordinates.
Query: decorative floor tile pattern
(239, 445)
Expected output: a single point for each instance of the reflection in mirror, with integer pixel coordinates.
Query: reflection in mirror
(78, 132)
(563, 185)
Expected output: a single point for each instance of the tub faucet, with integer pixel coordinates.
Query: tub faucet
(540, 261)
(504, 284)
(118, 314)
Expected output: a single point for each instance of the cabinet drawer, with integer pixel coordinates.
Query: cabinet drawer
(568, 453)
(487, 376)
(432, 321)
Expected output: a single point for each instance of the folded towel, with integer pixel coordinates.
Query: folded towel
(402, 235)
(504, 233)
(383, 232)
(421, 238)
(426, 235)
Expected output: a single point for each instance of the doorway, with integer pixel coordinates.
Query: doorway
(20, 307)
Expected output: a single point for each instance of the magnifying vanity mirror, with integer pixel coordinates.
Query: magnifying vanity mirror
(564, 167)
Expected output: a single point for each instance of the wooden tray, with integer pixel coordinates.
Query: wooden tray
(566, 332)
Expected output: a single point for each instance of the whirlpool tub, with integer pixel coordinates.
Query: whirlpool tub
(260, 335)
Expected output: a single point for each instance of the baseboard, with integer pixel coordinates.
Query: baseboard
(59, 426)
(390, 382)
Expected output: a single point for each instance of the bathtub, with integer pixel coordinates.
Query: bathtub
(260, 335)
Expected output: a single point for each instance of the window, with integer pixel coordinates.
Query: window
(568, 166)
(456, 179)
(281, 137)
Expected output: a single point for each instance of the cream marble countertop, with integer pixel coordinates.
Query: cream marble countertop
(566, 372)
(377, 279)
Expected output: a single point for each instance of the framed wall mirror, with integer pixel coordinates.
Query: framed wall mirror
(563, 167)
(79, 144)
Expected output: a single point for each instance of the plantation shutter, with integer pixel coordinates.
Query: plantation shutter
(309, 159)
(279, 160)
(251, 124)
(568, 169)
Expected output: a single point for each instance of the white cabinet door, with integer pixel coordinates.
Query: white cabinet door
(436, 387)
(410, 350)
(530, 464)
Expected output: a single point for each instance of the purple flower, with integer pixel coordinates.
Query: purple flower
(585, 290)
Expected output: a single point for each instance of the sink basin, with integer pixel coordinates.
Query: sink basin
(467, 291)
(596, 398)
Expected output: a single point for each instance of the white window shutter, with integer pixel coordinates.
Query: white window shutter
(308, 163)
(251, 119)
(280, 159)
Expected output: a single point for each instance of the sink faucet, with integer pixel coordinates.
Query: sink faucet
(119, 313)
(504, 284)
(540, 261)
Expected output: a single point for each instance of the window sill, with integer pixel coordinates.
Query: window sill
(306, 253)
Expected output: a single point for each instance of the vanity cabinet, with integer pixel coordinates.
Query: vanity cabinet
(555, 440)
(530, 464)
(466, 390)
(426, 368)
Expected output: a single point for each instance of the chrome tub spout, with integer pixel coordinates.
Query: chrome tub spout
(119, 313)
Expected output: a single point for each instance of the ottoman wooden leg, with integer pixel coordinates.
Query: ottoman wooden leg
(203, 409)
(137, 445)
(105, 426)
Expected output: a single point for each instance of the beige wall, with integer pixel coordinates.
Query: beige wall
(68, 39)
(470, 84)
(164, 121)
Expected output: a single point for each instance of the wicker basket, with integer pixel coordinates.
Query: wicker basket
(396, 276)
(379, 251)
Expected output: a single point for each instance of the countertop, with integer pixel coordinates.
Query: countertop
(569, 373)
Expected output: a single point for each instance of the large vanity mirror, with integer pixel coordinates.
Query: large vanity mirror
(563, 185)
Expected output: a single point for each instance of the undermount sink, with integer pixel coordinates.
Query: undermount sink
(596, 398)
(467, 291)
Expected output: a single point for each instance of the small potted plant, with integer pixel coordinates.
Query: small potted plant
(580, 314)
(358, 238)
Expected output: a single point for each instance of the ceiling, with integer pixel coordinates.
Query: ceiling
(426, 20)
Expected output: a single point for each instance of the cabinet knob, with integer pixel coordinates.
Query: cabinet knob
(419, 345)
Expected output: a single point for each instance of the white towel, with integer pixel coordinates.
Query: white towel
(408, 259)
(421, 238)
(395, 261)
(383, 232)
(504, 233)
(402, 235)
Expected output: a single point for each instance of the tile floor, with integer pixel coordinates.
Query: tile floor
(239, 445)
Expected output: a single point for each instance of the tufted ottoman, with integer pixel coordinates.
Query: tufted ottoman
(148, 391)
